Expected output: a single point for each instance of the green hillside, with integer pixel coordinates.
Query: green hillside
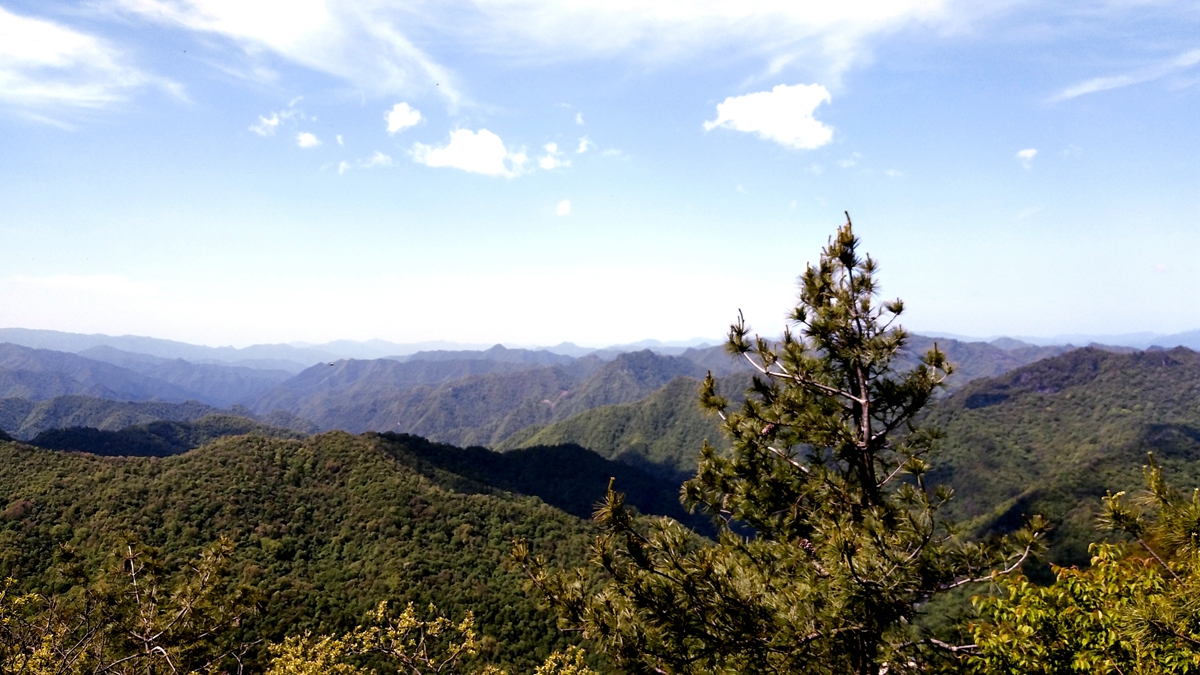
(1053, 436)
(662, 433)
(481, 409)
(324, 527)
(156, 439)
(23, 418)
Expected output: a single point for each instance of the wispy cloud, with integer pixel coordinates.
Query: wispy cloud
(785, 33)
(584, 145)
(357, 40)
(48, 67)
(306, 140)
(1025, 157)
(268, 124)
(1157, 71)
(564, 207)
(553, 159)
(369, 43)
(783, 115)
(480, 152)
(377, 160)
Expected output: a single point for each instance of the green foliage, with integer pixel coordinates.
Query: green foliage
(324, 528)
(405, 643)
(1136, 609)
(139, 621)
(830, 540)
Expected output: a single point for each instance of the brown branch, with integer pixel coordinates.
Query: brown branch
(1011, 568)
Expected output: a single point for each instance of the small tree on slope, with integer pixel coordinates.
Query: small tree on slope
(829, 541)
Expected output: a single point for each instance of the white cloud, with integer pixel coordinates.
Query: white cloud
(307, 140)
(1157, 71)
(401, 117)
(783, 115)
(46, 65)
(343, 167)
(611, 152)
(341, 143)
(477, 152)
(1026, 157)
(266, 125)
(564, 207)
(378, 159)
(892, 173)
(584, 145)
(850, 161)
(553, 158)
(579, 118)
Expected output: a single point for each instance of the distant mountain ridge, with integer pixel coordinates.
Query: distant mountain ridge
(24, 419)
(42, 373)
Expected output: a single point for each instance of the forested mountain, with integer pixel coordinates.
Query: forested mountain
(662, 433)
(156, 439)
(281, 357)
(41, 373)
(25, 419)
(482, 409)
(492, 397)
(973, 360)
(347, 385)
(218, 385)
(324, 528)
(1052, 437)
(495, 353)
(665, 431)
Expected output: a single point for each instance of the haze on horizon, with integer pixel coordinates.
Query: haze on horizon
(526, 173)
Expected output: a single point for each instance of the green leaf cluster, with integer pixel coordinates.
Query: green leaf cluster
(1135, 609)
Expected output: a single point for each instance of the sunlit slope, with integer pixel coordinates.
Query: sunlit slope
(1053, 436)
(325, 528)
(662, 432)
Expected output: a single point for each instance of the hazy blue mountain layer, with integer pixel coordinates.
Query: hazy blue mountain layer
(219, 385)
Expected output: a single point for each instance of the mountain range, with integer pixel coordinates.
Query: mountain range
(459, 451)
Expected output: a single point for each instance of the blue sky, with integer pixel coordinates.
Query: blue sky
(529, 171)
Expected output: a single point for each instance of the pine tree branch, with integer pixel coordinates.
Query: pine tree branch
(1011, 568)
(797, 378)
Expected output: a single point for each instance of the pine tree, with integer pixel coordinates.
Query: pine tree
(829, 537)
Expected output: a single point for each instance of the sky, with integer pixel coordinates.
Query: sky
(538, 171)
